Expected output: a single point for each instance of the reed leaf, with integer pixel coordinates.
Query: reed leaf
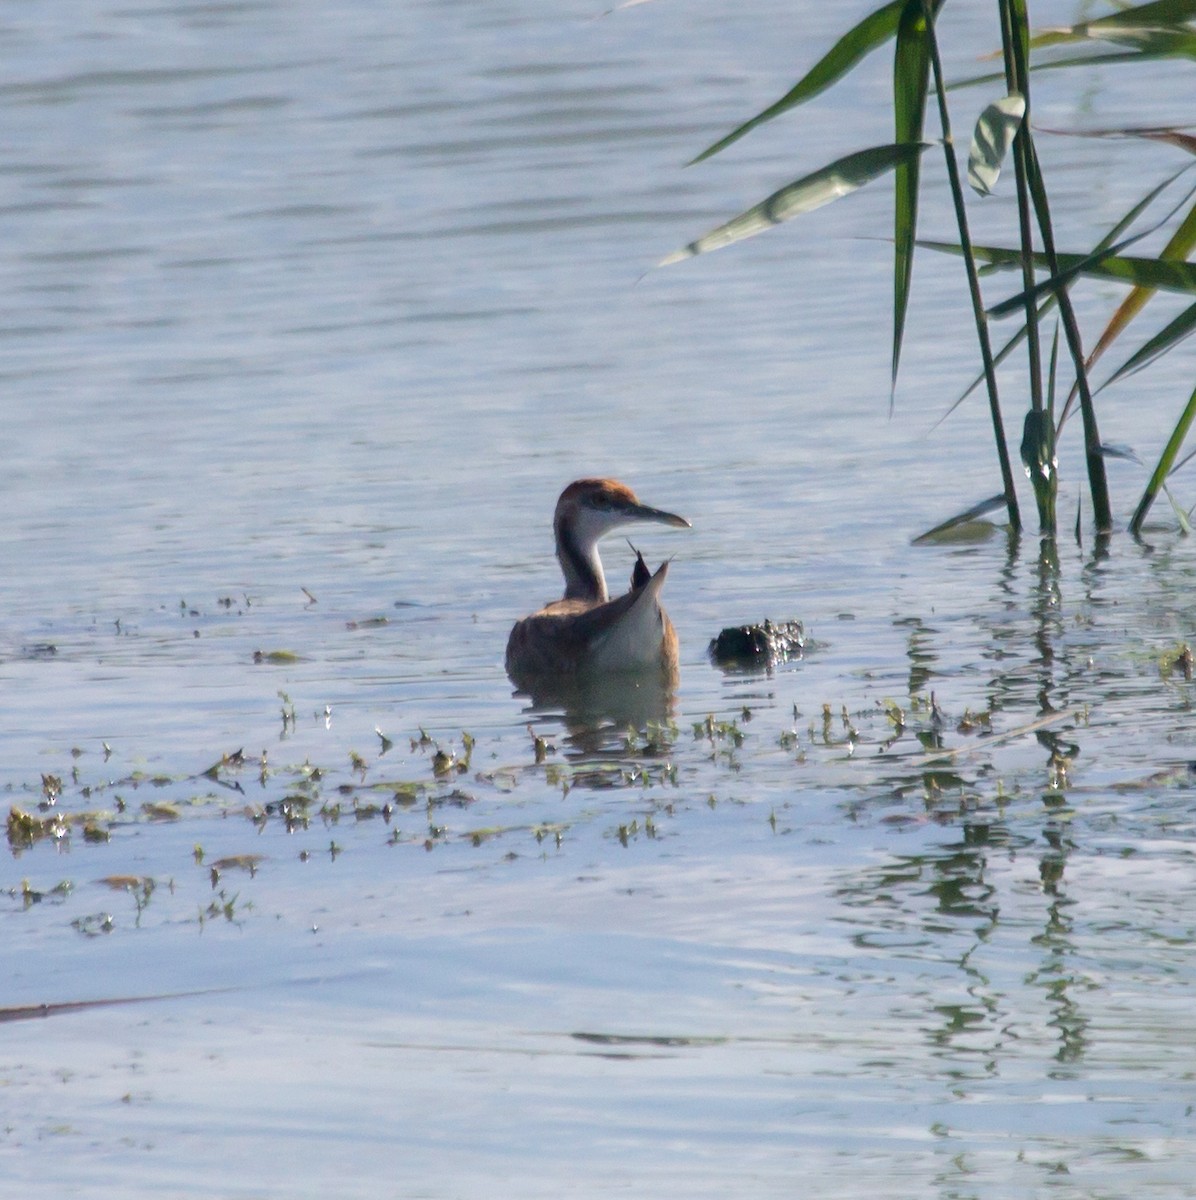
(1144, 272)
(1151, 31)
(1062, 276)
(998, 358)
(1112, 58)
(1177, 249)
(1166, 339)
(964, 518)
(1153, 43)
(911, 76)
(994, 134)
(1015, 37)
(1166, 463)
(981, 321)
(1154, 133)
(1053, 373)
(1183, 516)
(1158, 13)
(870, 33)
(832, 182)
(1147, 46)
(1098, 483)
(1140, 272)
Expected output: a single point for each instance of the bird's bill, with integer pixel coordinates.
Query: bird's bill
(641, 512)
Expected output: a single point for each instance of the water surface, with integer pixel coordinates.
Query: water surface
(307, 318)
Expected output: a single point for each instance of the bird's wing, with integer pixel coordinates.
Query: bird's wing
(564, 637)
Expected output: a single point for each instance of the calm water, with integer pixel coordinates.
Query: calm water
(306, 316)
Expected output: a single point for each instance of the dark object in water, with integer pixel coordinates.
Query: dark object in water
(757, 645)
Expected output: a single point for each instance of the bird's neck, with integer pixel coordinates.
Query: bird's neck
(581, 565)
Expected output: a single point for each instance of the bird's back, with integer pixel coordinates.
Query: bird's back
(571, 638)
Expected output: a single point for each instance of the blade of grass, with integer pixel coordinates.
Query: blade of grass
(1108, 240)
(963, 518)
(1149, 43)
(1053, 374)
(961, 220)
(998, 358)
(832, 182)
(1015, 31)
(1098, 483)
(1177, 249)
(911, 62)
(1158, 13)
(1165, 340)
(1183, 462)
(1182, 515)
(1155, 133)
(1147, 272)
(1056, 281)
(1166, 462)
(1110, 58)
(981, 744)
(872, 32)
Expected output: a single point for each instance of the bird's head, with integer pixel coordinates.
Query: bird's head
(589, 509)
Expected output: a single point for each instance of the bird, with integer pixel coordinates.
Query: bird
(586, 633)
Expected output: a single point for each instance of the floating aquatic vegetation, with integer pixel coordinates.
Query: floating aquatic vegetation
(24, 829)
(443, 763)
(566, 778)
(94, 924)
(225, 763)
(235, 862)
(31, 895)
(1177, 661)
(128, 883)
(715, 731)
(551, 830)
(368, 811)
(139, 887)
(155, 810)
(478, 836)
(278, 658)
(541, 748)
(506, 779)
(222, 905)
(368, 623)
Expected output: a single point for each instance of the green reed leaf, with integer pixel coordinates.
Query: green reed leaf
(1166, 339)
(873, 31)
(1166, 463)
(1138, 272)
(1158, 16)
(942, 532)
(832, 182)
(911, 78)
